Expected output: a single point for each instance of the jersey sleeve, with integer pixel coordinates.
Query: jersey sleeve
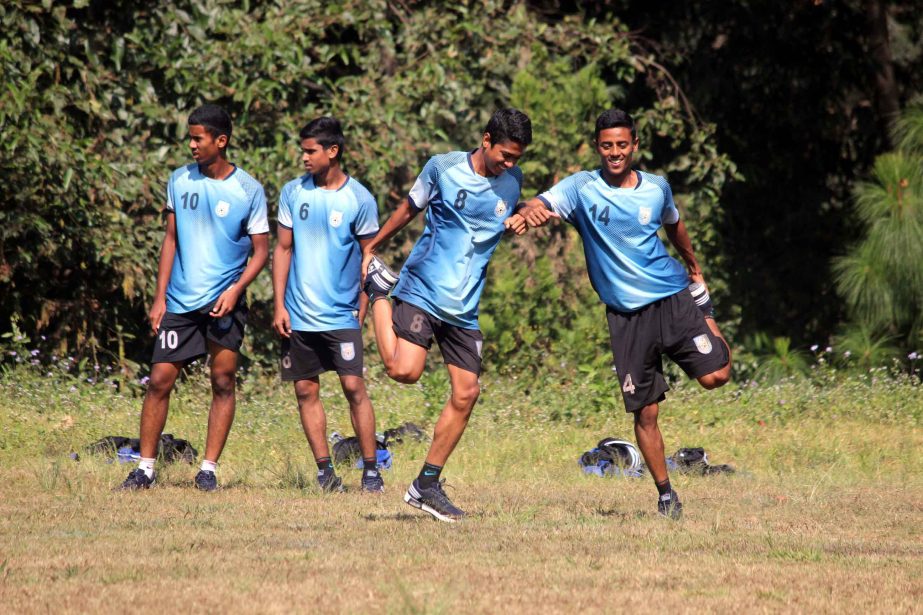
(563, 197)
(670, 213)
(425, 186)
(365, 225)
(258, 222)
(285, 207)
(170, 206)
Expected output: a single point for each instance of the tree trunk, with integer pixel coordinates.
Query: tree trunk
(887, 100)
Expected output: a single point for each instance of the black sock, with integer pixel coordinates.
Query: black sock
(429, 475)
(369, 466)
(324, 464)
(664, 487)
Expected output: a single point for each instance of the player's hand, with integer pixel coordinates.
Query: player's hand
(699, 278)
(364, 268)
(158, 309)
(281, 323)
(226, 302)
(516, 224)
(536, 215)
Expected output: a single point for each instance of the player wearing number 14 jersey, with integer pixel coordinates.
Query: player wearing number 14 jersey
(216, 214)
(651, 307)
(468, 198)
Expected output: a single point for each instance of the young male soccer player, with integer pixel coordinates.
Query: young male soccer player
(216, 213)
(650, 305)
(469, 199)
(325, 217)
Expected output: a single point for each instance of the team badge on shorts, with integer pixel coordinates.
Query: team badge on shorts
(347, 351)
(225, 323)
(222, 208)
(702, 343)
(644, 215)
(480, 347)
(500, 209)
(336, 218)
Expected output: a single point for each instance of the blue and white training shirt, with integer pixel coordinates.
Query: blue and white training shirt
(445, 272)
(628, 264)
(322, 293)
(214, 221)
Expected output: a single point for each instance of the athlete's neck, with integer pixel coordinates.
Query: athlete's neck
(479, 163)
(219, 168)
(628, 179)
(331, 179)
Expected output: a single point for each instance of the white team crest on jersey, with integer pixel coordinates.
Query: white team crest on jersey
(347, 351)
(500, 209)
(644, 215)
(702, 343)
(222, 208)
(336, 218)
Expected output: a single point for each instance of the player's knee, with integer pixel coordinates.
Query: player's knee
(355, 393)
(160, 386)
(223, 384)
(646, 417)
(716, 379)
(464, 397)
(403, 374)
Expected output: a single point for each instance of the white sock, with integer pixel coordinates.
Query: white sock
(147, 464)
(209, 466)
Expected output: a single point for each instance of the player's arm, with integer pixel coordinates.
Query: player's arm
(281, 264)
(403, 214)
(535, 212)
(679, 237)
(229, 298)
(363, 298)
(164, 268)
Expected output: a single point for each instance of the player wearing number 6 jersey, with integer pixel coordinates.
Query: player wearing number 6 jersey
(216, 215)
(651, 308)
(325, 216)
(468, 198)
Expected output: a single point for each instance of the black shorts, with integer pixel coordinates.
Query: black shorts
(460, 347)
(307, 354)
(184, 337)
(673, 326)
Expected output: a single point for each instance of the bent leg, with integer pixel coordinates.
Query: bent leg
(454, 418)
(404, 361)
(313, 417)
(650, 441)
(156, 404)
(224, 402)
(721, 376)
(360, 413)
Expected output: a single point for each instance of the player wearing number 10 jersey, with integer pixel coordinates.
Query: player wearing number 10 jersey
(216, 214)
(468, 198)
(651, 308)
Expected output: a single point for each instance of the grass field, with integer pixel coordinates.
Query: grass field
(825, 514)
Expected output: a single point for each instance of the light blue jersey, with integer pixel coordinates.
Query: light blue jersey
(322, 293)
(214, 221)
(628, 264)
(444, 274)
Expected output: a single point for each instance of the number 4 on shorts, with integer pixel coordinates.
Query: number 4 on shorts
(627, 386)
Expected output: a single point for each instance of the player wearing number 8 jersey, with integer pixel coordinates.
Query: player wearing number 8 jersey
(650, 308)
(468, 198)
(216, 215)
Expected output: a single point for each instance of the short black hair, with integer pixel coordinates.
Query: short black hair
(214, 119)
(327, 131)
(615, 118)
(509, 125)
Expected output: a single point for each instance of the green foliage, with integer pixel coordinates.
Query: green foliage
(777, 359)
(881, 278)
(865, 348)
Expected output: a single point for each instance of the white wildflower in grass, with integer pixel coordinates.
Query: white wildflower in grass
(814, 347)
(913, 356)
(847, 354)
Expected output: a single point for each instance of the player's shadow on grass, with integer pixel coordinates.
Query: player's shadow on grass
(619, 514)
(401, 516)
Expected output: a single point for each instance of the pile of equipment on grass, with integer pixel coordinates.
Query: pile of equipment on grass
(617, 457)
(128, 450)
(346, 450)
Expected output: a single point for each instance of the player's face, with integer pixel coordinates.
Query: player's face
(616, 149)
(205, 148)
(316, 159)
(502, 156)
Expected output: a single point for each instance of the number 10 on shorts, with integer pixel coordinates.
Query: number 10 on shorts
(169, 339)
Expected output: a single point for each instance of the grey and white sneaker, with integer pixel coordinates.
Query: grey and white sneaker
(372, 482)
(702, 299)
(329, 482)
(136, 480)
(433, 501)
(379, 279)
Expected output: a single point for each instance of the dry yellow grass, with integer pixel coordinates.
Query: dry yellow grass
(827, 518)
